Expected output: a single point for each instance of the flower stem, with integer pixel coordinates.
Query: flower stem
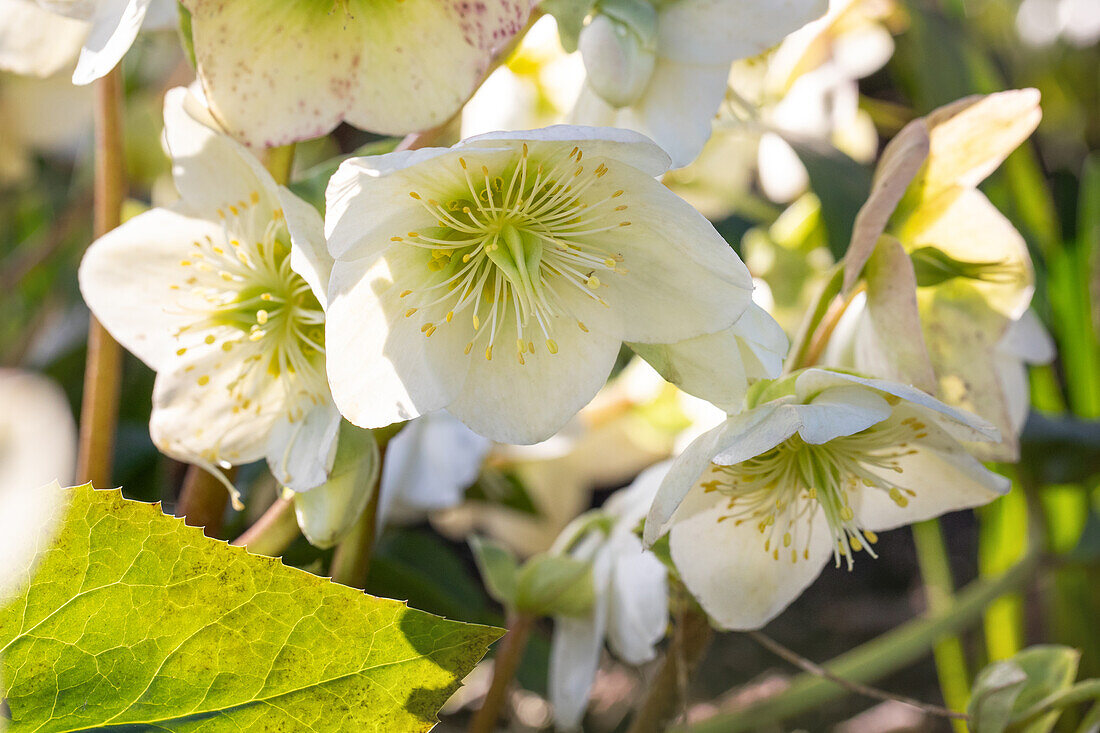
(935, 569)
(667, 694)
(279, 162)
(813, 668)
(505, 664)
(1085, 691)
(202, 500)
(800, 349)
(273, 532)
(351, 561)
(103, 368)
(877, 658)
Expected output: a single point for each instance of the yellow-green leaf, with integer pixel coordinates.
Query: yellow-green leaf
(135, 621)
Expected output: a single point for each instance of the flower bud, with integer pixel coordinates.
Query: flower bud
(326, 513)
(555, 585)
(618, 59)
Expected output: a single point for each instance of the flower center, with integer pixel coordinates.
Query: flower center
(513, 245)
(781, 490)
(257, 310)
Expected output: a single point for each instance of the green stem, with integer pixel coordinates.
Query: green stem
(273, 532)
(351, 561)
(877, 658)
(505, 664)
(280, 163)
(803, 342)
(939, 586)
(103, 368)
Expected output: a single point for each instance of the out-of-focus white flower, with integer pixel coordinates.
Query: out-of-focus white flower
(818, 464)
(37, 457)
(279, 72)
(104, 30)
(951, 277)
(536, 87)
(222, 295)
(663, 70)
(429, 465)
(499, 278)
(40, 115)
(1042, 22)
(630, 610)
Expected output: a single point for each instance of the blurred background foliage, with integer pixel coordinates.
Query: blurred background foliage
(1050, 188)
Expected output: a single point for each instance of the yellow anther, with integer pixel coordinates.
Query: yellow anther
(462, 162)
(624, 223)
(181, 352)
(255, 196)
(477, 322)
(261, 317)
(592, 282)
(582, 326)
(847, 514)
(409, 312)
(870, 536)
(209, 339)
(203, 380)
(430, 331)
(415, 195)
(413, 235)
(469, 348)
(787, 539)
(227, 346)
(449, 316)
(489, 352)
(267, 296)
(618, 193)
(405, 293)
(898, 498)
(185, 263)
(855, 543)
(425, 327)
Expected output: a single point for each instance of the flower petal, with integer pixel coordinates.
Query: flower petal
(309, 255)
(725, 566)
(211, 170)
(381, 367)
(719, 367)
(638, 604)
(34, 41)
(510, 402)
(300, 453)
(720, 31)
(840, 411)
(279, 73)
(115, 25)
(144, 310)
(737, 439)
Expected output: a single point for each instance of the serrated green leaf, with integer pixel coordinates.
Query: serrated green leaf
(995, 693)
(135, 621)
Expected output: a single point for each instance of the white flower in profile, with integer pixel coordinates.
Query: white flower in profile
(630, 610)
(429, 465)
(221, 294)
(276, 73)
(37, 457)
(499, 278)
(817, 465)
(663, 71)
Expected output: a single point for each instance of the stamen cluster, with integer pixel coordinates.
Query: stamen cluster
(512, 244)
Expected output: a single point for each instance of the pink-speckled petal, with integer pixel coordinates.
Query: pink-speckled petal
(279, 72)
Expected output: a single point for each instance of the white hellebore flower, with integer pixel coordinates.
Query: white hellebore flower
(37, 457)
(212, 294)
(662, 69)
(630, 609)
(36, 42)
(818, 464)
(498, 278)
(276, 72)
(429, 465)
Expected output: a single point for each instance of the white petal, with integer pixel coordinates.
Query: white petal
(625, 146)
(300, 453)
(286, 72)
(211, 170)
(716, 31)
(681, 278)
(36, 41)
(196, 423)
(144, 309)
(719, 367)
(783, 177)
(840, 411)
(943, 480)
(1028, 340)
(309, 255)
(37, 433)
(739, 438)
(526, 403)
(638, 609)
(429, 465)
(739, 584)
(381, 367)
(575, 650)
(958, 423)
(115, 25)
